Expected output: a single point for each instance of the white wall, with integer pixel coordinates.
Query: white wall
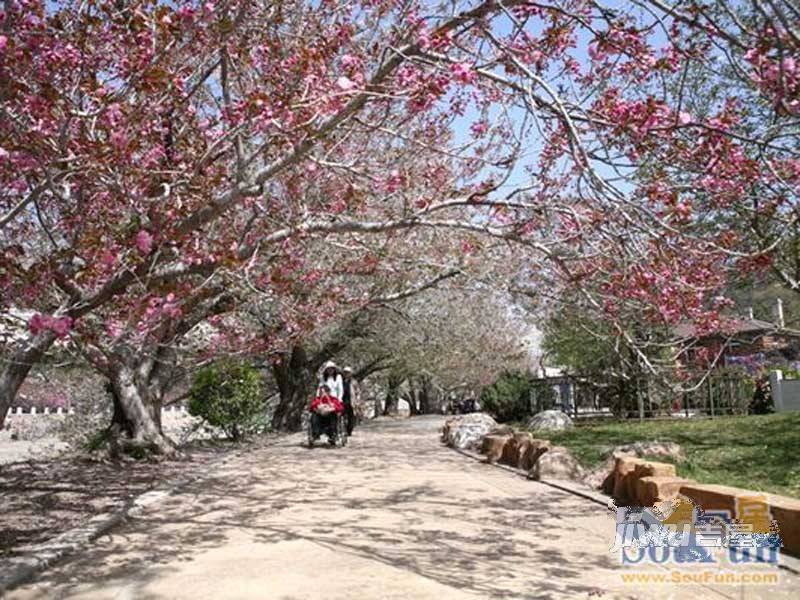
(785, 392)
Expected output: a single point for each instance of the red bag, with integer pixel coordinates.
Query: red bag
(324, 409)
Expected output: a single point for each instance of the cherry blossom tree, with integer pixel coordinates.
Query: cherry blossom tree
(672, 167)
(455, 338)
(133, 133)
(145, 148)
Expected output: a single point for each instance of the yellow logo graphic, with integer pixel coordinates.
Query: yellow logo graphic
(753, 511)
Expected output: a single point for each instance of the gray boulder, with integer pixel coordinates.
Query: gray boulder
(550, 419)
(557, 463)
(468, 431)
(502, 430)
(654, 449)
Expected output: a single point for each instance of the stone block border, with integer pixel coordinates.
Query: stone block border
(747, 505)
(644, 483)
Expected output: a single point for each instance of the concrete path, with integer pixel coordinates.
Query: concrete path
(395, 515)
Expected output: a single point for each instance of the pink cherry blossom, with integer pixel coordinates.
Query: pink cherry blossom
(394, 182)
(61, 326)
(144, 241)
(595, 53)
(345, 84)
(350, 61)
(186, 12)
(114, 328)
(111, 126)
(36, 324)
(478, 128)
(119, 139)
(463, 72)
(424, 40)
(108, 259)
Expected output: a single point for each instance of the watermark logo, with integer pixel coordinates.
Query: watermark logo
(681, 534)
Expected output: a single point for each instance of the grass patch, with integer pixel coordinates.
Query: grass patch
(760, 453)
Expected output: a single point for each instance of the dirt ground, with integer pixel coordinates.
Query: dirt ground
(395, 515)
(42, 448)
(42, 498)
(41, 437)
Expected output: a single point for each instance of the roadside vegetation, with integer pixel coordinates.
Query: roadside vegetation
(757, 452)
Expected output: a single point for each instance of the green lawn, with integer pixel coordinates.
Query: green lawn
(755, 452)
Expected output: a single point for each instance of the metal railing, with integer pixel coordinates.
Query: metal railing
(643, 398)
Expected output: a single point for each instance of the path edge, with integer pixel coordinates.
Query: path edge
(793, 565)
(559, 484)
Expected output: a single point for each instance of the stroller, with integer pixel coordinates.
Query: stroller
(336, 430)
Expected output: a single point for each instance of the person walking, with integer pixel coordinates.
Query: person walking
(331, 377)
(350, 398)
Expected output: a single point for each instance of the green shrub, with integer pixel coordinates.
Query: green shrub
(97, 440)
(508, 398)
(788, 372)
(761, 404)
(228, 395)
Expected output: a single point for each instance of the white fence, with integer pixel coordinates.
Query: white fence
(785, 392)
(18, 410)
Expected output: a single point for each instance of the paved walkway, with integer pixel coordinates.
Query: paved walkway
(393, 516)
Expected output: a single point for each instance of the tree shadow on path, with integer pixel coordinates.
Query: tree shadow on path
(393, 497)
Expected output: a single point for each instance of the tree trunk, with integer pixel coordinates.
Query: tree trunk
(412, 404)
(295, 378)
(411, 398)
(157, 387)
(119, 422)
(392, 396)
(155, 404)
(22, 358)
(425, 396)
(138, 410)
(121, 427)
(161, 378)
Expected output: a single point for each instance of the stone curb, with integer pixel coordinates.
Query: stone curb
(597, 498)
(22, 569)
(564, 486)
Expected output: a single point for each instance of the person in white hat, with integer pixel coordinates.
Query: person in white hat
(330, 377)
(350, 398)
